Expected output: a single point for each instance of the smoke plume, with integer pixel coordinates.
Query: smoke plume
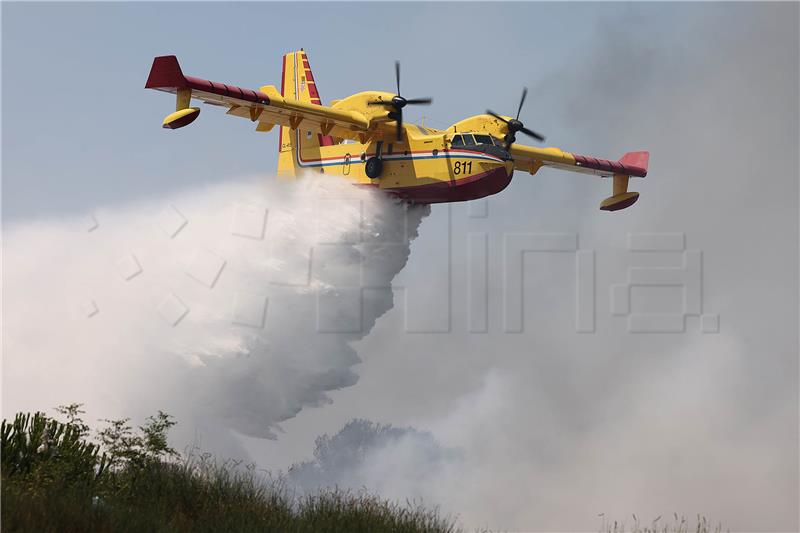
(232, 307)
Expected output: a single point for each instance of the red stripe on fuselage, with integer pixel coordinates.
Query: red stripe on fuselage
(368, 155)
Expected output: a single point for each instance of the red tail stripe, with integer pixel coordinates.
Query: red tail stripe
(324, 140)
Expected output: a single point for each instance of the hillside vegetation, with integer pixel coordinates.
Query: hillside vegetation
(56, 477)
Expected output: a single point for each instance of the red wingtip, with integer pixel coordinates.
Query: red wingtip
(636, 161)
(165, 73)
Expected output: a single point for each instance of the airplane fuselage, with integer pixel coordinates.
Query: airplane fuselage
(422, 167)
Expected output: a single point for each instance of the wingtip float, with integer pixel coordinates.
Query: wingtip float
(364, 138)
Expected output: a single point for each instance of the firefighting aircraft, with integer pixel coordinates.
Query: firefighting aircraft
(364, 139)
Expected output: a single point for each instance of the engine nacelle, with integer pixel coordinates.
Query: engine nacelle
(480, 123)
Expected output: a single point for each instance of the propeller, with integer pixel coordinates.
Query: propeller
(397, 103)
(514, 125)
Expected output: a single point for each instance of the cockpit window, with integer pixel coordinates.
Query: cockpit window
(483, 139)
(457, 140)
(468, 140)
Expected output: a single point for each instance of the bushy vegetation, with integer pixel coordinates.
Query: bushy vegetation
(57, 477)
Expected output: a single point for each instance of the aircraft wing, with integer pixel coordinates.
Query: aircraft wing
(531, 159)
(265, 105)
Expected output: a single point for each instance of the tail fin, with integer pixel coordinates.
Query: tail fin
(297, 82)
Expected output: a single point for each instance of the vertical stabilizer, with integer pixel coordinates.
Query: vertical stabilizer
(298, 83)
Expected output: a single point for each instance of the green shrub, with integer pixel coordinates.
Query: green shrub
(55, 479)
(131, 450)
(48, 452)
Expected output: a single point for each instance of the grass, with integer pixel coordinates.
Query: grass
(168, 497)
(678, 525)
(54, 479)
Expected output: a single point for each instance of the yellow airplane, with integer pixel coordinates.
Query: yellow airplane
(364, 139)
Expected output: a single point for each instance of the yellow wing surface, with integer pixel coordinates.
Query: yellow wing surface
(531, 159)
(266, 106)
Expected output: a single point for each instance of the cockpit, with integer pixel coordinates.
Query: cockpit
(473, 139)
(479, 142)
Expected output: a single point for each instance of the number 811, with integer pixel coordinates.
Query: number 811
(464, 167)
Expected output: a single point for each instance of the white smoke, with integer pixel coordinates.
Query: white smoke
(397, 463)
(454, 466)
(571, 426)
(230, 307)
